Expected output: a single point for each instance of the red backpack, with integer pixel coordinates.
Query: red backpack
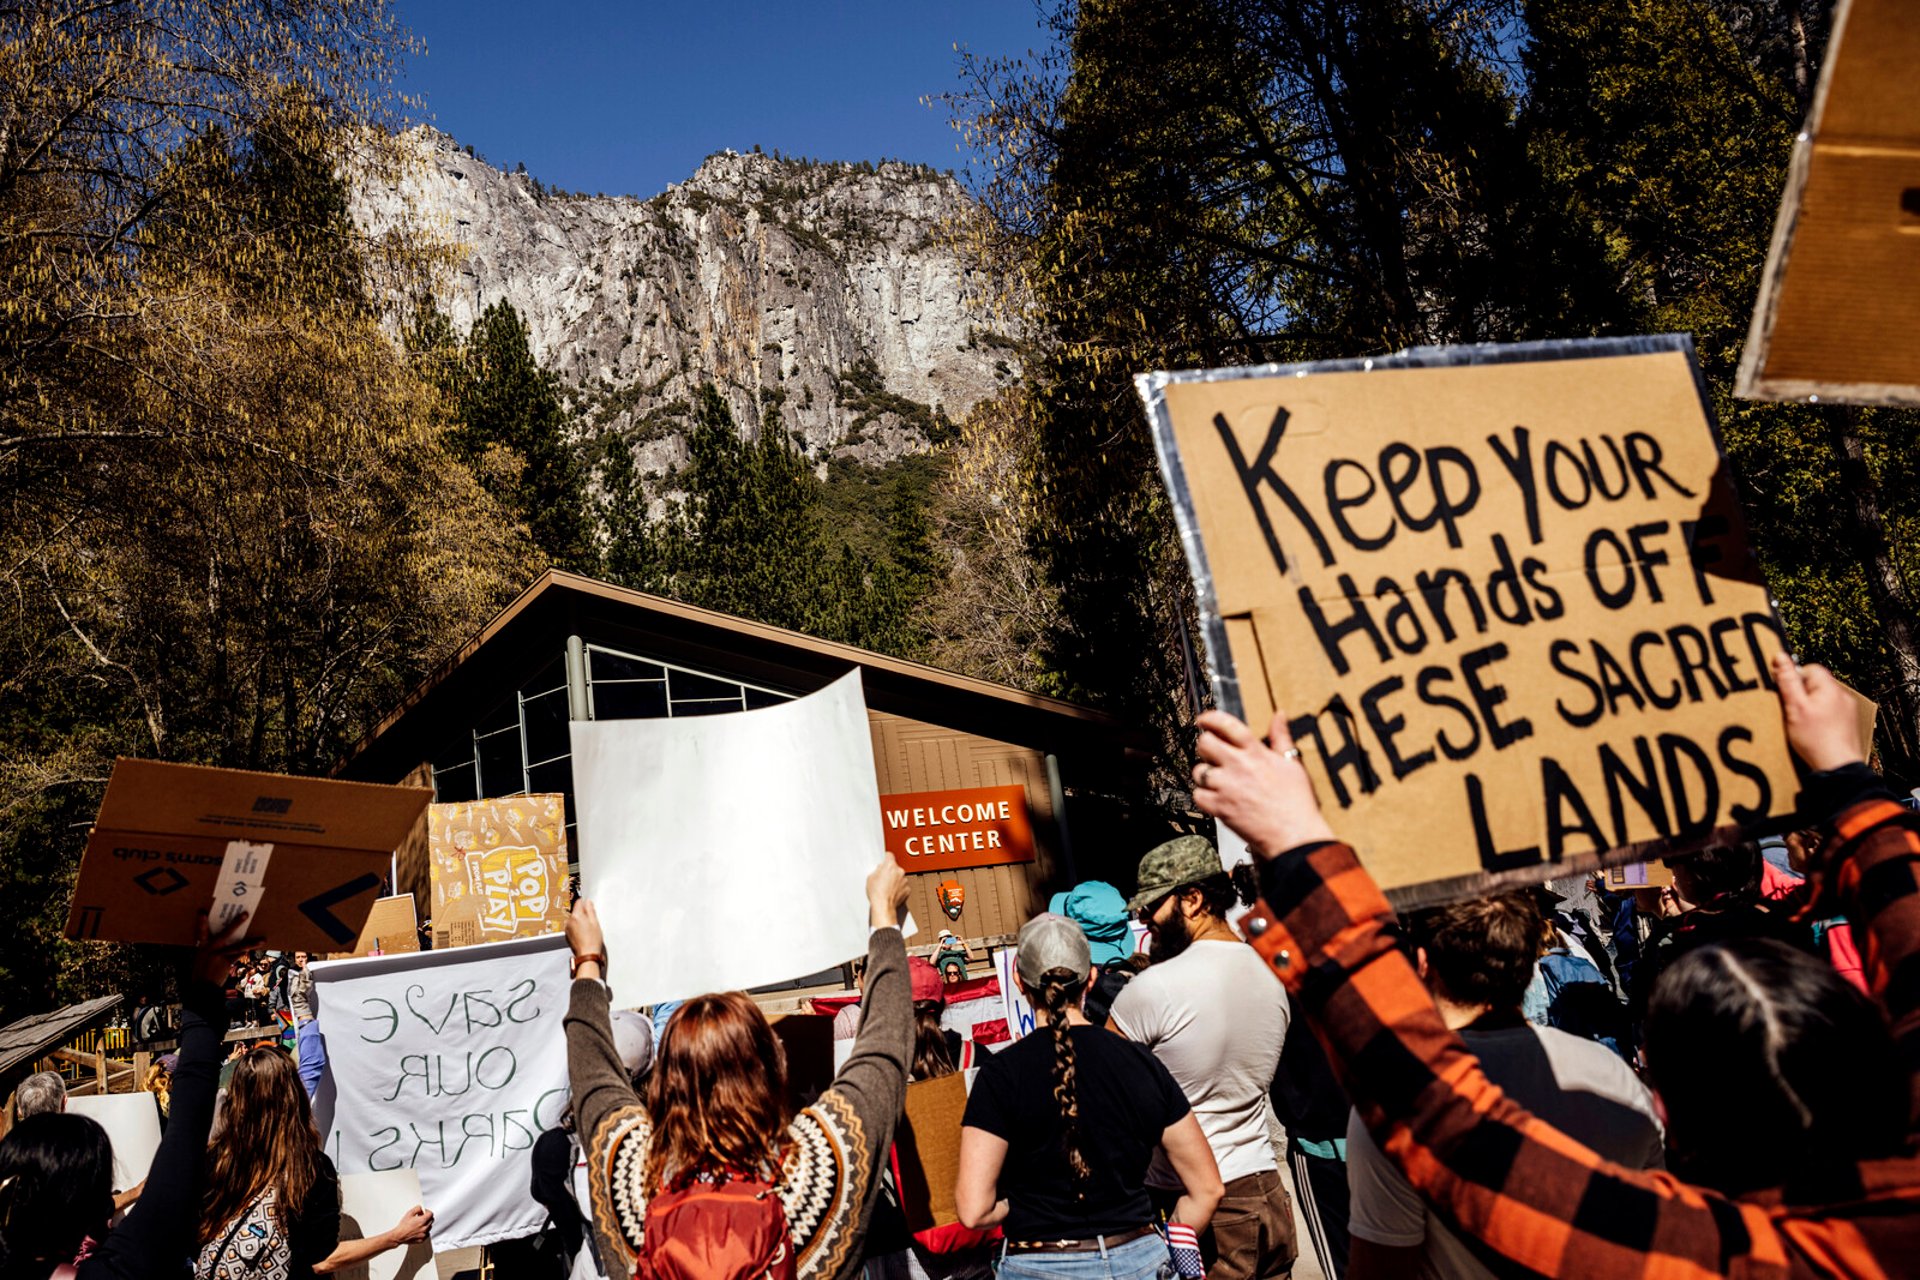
(716, 1230)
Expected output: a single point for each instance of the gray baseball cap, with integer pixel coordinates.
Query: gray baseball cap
(1048, 942)
(633, 1041)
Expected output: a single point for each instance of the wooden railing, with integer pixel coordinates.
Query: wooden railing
(102, 1061)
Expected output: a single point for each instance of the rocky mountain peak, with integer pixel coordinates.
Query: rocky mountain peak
(829, 294)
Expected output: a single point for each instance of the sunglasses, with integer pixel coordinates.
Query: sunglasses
(1146, 914)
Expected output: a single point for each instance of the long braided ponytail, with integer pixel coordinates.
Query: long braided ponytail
(1058, 989)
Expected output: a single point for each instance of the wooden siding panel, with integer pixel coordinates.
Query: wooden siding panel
(912, 756)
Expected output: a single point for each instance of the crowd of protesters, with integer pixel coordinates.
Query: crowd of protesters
(251, 1196)
(1717, 1077)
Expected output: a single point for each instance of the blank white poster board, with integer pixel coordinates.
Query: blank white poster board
(730, 851)
(371, 1203)
(132, 1122)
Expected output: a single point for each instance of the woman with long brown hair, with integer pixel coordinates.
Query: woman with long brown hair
(56, 1171)
(1061, 1126)
(272, 1202)
(709, 1177)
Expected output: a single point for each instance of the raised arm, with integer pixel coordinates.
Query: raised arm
(594, 1070)
(1483, 1162)
(165, 1221)
(1870, 860)
(873, 1080)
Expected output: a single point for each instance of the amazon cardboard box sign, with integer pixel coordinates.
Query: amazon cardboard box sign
(1840, 300)
(303, 857)
(1504, 595)
(947, 830)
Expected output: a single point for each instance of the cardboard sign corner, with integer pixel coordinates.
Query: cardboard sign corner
(302, 858)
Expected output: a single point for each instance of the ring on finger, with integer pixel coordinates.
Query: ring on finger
(1206, 772)
(1291, 753)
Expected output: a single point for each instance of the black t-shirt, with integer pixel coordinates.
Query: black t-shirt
(1305, 1093)
(1127, 1101)
(314, 1232)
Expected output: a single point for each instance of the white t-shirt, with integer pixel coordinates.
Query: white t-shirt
(1579, 1087)
(1217, 1018)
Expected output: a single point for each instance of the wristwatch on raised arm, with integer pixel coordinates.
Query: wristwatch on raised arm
(592, 957)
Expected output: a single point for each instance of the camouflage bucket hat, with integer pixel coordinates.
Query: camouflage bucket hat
(1176, 864)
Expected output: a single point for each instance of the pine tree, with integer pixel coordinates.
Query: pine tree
(513, 432)
(746, 535)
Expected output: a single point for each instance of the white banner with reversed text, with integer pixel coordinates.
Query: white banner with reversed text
(448, 1063)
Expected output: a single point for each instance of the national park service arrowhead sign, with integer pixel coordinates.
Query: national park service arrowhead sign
(1504, 594)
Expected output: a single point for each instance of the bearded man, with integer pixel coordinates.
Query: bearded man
(1206, 1010)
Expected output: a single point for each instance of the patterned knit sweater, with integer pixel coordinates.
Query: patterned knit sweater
(828, 1182)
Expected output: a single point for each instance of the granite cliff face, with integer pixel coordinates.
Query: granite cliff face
(826, 291)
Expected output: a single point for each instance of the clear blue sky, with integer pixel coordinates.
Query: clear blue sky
(594, 95)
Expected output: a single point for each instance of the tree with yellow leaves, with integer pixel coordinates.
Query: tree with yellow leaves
(233, 531)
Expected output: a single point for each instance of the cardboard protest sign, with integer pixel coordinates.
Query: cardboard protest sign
(927, 1148)
(1841, 295)
(1639, 875)
(1866, 713)
(450, 1064)
(392, 925)
(304, 858)
(730, 851)
(132, 1122)
(370, 1203)
(498, 868)
(1503, 593)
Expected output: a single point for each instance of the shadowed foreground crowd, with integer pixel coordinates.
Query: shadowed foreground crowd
(1732, 1094)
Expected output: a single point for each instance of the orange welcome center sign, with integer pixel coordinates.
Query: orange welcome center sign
(947, 830)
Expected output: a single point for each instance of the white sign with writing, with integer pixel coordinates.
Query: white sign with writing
(450, 1064)
(731, 851)
(1019, 1010)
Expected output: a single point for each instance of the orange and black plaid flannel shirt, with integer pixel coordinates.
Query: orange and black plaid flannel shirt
(1521, 1187)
